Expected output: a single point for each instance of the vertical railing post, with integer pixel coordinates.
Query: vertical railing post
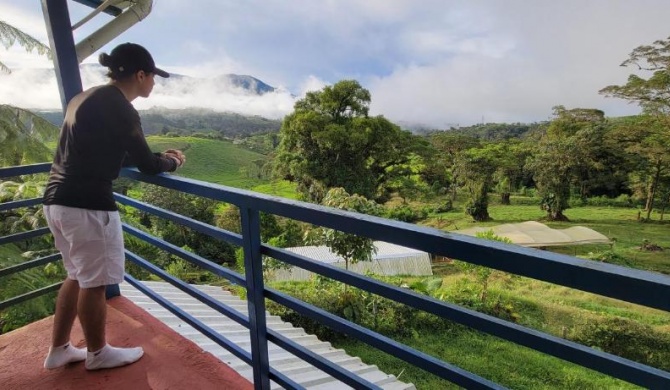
(253, 267)
(61, 40)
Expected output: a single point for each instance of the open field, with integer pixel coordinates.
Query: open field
(215, 161)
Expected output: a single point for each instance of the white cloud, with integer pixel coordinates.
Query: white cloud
(432, 62)
(311, 83)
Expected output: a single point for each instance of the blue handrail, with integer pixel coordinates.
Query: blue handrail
(636, 286)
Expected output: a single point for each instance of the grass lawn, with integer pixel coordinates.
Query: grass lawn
(282, 188)
(489, 357)
(619, 224)
(214, 161)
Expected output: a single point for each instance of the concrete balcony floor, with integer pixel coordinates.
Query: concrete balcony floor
(170, 361)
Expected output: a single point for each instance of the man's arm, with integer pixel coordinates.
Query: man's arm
(139, 154)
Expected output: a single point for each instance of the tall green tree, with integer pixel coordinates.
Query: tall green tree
(475, 168)
(330, 141)
(511, 159)
(651, 93)
(646, 139)
(448, 147)
(558, 157)
(650, 136)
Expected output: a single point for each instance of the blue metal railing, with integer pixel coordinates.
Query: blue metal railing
(641, 287)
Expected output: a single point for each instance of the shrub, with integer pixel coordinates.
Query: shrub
(445, 207)
(628, 339)
(609, 256)
(405, 213)
(360, 307)
(622, 200)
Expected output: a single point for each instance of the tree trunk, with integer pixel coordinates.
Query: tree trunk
(504, 198)
(554, 215)
(652, 191)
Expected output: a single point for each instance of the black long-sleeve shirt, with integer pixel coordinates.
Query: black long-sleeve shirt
(101, 129)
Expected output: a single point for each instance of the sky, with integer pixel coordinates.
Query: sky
(436, 63)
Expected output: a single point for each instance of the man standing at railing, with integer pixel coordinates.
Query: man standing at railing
(101, 133)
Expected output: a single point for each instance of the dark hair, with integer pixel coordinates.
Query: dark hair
(127, 59)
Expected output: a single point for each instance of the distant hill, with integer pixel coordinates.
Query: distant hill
(498, 131)
(246, 82)
(192, 120)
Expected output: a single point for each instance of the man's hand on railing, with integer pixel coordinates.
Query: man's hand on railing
(177, 155)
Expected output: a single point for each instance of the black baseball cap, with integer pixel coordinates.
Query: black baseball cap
(129, 58)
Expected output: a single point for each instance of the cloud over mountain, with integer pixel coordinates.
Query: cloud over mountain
(243, 94)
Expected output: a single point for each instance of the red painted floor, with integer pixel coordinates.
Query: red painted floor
(169, 362)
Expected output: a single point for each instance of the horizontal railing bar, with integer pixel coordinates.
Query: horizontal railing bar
(33, 294)
(186, 255)
(424, 361)
(225, 235)
(567, 350)
(24, 170)
(636, 286)
(245, 356)
(29, 264)
(20, 203)
(23, 235)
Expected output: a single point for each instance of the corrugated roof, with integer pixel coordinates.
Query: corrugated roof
(385, 250)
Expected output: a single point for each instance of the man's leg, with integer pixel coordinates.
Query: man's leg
(92, 311)
(61, 352)
(66, 311)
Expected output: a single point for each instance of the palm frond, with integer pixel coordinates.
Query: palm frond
(9, 35)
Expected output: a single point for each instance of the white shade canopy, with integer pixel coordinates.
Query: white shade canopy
(535, 234)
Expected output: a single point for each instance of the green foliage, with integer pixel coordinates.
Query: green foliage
(350, 247)
(186, 122)
(482, 274)
(24, 137)
(561, 154)
(373, 312)
(198, 208)
(330, 141)
(609, 256)
(652, 94)
(474, 168)
(628, 339)
(496, 131)
(23, 282)
(406, 213)
(407, 179)
(427, 286)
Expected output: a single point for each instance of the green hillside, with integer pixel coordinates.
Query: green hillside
(215, 161)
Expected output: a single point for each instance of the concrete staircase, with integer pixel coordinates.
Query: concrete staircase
(285, 362)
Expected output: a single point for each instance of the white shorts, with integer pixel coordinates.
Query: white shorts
(91, 243)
